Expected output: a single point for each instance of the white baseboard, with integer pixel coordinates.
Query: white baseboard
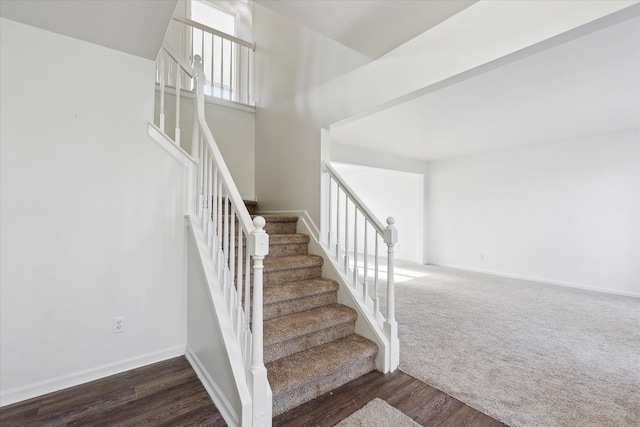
(222, 404)
(29, 391)
(543, 281)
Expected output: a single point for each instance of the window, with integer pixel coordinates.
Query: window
(213, 16)
(217, 53)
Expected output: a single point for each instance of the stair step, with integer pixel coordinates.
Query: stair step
(286, 335)
(303, 376)
(295, 297)
(280, 224)
(291, 268)
(288, 244)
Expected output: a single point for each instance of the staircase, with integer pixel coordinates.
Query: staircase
(310, 344)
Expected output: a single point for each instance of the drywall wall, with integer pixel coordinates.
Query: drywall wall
(91, 216)
(233, 128)
(206, 347)
(565, 212)
(290, 60)
(305, 82)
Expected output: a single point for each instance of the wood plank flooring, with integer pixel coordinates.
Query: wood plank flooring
(168, 393)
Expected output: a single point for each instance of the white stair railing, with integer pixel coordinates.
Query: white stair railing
(227, 60)
(215, 202)
(354, 237)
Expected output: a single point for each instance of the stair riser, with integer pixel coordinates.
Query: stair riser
(292, 275)
(305, 392)
(288, 250)
(280, 227)
(298, 305)
(307, 341)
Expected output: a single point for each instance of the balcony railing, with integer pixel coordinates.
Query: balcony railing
(227, 60)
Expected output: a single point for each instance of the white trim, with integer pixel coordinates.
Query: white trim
(29, 391)
(169, 146)
(217, 396)
(543, 281)
(230, 104)
(208, 99)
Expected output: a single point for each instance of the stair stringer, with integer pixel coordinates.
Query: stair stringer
(366, 324)
(217, 360)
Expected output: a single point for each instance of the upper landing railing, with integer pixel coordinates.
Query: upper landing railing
(355, 238)
(227, 60)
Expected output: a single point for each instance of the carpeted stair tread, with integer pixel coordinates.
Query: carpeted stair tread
(292, 262)
(294, 290)
(303, 376)
(295, 297)
(285, 328)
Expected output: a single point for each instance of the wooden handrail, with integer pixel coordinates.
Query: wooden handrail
(218, 33)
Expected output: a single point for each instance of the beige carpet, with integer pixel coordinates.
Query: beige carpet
(525, 353)
(377, 413)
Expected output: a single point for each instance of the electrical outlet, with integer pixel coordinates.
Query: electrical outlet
(118, 324)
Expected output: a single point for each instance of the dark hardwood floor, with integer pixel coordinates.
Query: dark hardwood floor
(168, 393)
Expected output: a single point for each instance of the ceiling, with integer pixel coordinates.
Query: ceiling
(110, 23)
(581, 87)
(368, 26)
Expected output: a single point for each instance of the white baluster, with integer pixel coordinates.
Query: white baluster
(365, 291)
(346, 234)
(178, 90)
(161, 65)
(239, 285)
(375, 278)
(232, 254)
(337, 222)
(355, 248)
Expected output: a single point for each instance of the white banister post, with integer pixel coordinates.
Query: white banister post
(390, 324)
(259, 248)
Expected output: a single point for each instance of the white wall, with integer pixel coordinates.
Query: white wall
(289, 61)
(91, 216)
(565, 212)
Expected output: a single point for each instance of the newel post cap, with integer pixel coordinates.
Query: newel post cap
(391, 232)
(259, 239)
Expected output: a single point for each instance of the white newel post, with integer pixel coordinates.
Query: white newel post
(390, 325)
(259, 248)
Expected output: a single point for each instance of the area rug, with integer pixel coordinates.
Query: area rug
(377, 413)
(525, 353)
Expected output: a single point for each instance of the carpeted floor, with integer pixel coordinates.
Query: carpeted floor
(526, 353)
(377, 413)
